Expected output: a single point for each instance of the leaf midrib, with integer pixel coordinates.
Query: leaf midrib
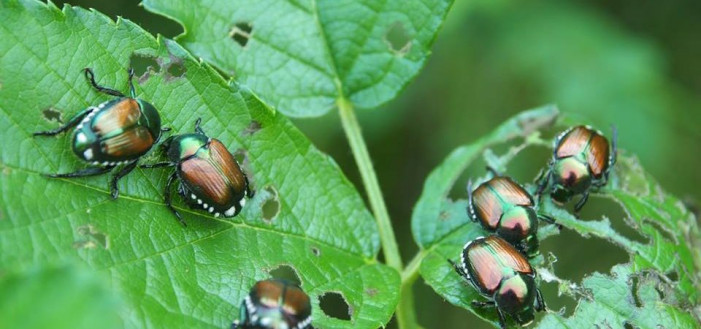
(232, 224)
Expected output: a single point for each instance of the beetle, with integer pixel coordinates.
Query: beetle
(275, 304)
(503, 207)
(581, 161)
(115, 132)
(210, 178)
(504, 276)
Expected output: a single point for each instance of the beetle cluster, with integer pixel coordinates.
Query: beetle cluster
(497, 266)
(122, 130)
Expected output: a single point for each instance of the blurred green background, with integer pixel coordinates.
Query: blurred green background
(629, 63)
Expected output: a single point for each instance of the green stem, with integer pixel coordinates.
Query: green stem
(411, 272)
(406, 317)
(372, 187)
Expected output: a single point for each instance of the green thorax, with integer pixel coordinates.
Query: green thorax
(187, 145)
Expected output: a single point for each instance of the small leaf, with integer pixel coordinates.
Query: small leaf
(302, 56)
(441, 227)
(170, 276)
(62, 297)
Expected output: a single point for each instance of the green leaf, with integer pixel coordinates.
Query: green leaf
(306, 215)
(667, 262)
(302, 56)
(57, 297)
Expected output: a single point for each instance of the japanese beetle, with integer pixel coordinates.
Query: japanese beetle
(210, 178)
(504, 276)
(581, 160)
(116, 132)
(275, 304)
(503, 207)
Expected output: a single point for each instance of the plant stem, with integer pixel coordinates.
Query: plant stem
(411, 272)
(372, 188)
(406, 318)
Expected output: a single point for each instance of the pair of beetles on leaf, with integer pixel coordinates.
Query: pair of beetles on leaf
(497, 266)
(120, 131)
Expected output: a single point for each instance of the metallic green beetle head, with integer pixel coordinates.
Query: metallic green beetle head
(519, 226)
(516, 296)
(571, 176)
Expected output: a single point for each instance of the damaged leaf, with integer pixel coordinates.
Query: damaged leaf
(199, 275)
(302, 57)
(665, 268)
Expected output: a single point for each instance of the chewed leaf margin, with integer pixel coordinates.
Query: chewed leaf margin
(669, 259)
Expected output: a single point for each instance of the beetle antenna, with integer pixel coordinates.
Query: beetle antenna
(132, 91)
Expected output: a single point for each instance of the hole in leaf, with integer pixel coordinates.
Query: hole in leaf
(91, 238)
(673, 276)
(241, 32)
(665, 233)
(316, 251)
(398, 39)
(286, 272)
(583, 256)
(144, 66)
(271, 204)
(334, 305)
(627, 325)
(172, 66)
(176, 70)
(599, 207)
(52, 114)
(252, 128)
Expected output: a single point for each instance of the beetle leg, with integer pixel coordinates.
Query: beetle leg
(132, 91)
(126, 170)
(542, 180)
(502, 319)
(581, 202)
(549, 220)
(92, 171)
(70, 124)
(458, 269)
(167, 200)
(539, 301)
(493, 171)
(198, 129)
(479, 304)
(91, 78)
(163, 130)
